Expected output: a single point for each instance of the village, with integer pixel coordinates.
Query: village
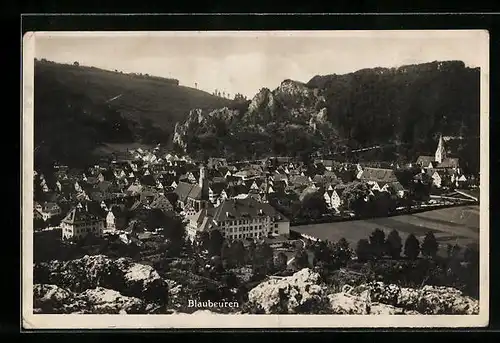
(246, 201)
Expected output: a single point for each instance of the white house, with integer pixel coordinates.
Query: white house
(79, 222)
(240, 219)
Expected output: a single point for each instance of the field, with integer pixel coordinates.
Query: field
(456, 225)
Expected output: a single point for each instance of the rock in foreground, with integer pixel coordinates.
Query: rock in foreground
(90, 272)
(54, 299)
(304, 293)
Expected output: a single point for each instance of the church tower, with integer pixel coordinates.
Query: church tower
(440, 151)
(203, 183)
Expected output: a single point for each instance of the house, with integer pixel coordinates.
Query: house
(195, 196)
(161, 202)
(214, 191)
(116, 218)
(437, 177)
(197, 222)
(247, 174)
(333, 198)
(48, 210)
(79, 222)
(248, 218)
(300, 180)
(440, 159)
(215, 163)
(240, 219)
(382, 180)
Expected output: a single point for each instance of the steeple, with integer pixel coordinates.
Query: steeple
(203, 183)
(440, 151)
(202, 176)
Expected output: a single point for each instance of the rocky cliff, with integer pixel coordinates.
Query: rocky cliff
(304, 293)
(99, 282)
(402, 109)
(291, 111)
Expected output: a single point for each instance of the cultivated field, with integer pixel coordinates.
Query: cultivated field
(457, 225)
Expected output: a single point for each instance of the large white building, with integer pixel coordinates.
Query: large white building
(79, 222)
(239, 219)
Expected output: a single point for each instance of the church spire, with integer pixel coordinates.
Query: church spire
(440, 151)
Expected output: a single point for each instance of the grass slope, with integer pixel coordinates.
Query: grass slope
(155, 98)
(75, 116)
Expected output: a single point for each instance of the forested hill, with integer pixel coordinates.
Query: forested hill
(407, 107)
(77, 108)
(408, 103)
(403, 109)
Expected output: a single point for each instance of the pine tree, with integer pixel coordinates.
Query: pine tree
(377, 243)
(430, 245)
(394, 244)
(412, 247)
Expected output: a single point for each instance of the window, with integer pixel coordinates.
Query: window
(276, 225)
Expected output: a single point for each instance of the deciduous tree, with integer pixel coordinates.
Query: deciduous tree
(363, 250)
(215, 243)
(280, 261)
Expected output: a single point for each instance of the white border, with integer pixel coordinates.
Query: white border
(75, 321)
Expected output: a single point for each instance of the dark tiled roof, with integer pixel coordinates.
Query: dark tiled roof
(217, 187)
(161, 202)
(449, 163)
(186, 190)
(243, 209)
(77, 215)
(378, 175)
(300, 180)
(425, 160)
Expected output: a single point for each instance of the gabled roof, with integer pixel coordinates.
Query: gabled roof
(247, 208)
(378, 175)
(161, 202)
(217, 187)
(186, 190)
(425, 160)
(77, 215)
(449, 162)
(299, 180)
(237, 189)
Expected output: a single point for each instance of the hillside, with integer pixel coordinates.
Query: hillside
(74, 113)
(403, 109)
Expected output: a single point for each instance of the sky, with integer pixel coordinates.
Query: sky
(244, 62)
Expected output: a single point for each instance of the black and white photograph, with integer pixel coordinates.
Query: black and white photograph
(255, 179)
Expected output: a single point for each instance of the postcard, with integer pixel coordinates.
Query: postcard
(255, 179)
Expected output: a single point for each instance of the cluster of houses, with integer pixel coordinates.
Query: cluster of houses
(232, 197)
